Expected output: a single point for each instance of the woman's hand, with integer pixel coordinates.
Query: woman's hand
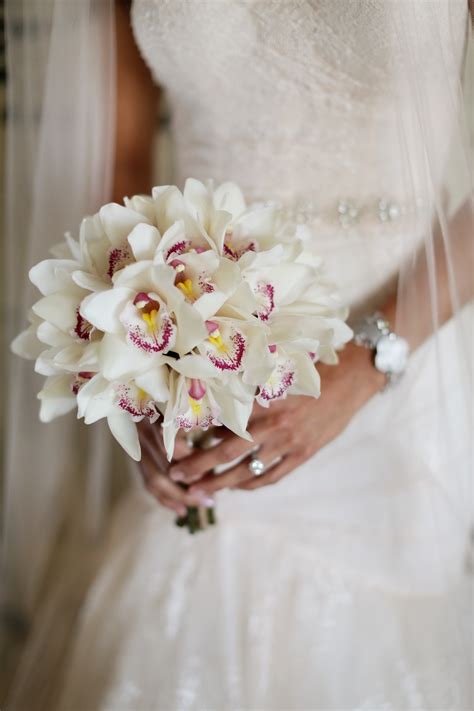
(154, 469)
(287, 433)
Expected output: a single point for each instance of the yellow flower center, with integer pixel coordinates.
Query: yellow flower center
(186, 287)
(142, 395)
(150, 320)
(216, 340)
(196, 406)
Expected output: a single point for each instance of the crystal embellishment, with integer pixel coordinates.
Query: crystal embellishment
(388, 211)
(347, 213)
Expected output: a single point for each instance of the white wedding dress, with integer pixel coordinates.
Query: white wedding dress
(325, 591)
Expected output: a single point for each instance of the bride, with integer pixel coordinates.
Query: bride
(337, 575)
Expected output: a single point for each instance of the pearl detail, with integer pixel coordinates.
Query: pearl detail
(256, 467)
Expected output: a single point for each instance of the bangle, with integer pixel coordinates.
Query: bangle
(390, 351)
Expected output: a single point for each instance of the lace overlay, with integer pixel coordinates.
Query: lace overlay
(300, 102)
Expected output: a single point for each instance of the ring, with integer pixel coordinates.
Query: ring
(257, 467)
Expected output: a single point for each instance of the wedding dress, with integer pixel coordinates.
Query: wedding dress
(325, 591)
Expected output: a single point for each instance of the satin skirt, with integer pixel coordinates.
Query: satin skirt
(342, 587)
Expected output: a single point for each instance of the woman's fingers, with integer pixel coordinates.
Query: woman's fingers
(273, 456)
(166, 491)
(182, 448)
(281, 468)
(201, 461)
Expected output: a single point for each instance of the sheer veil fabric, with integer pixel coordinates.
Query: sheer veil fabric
(403, 522)
(60, 139)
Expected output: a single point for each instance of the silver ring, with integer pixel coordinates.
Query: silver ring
(256, 467)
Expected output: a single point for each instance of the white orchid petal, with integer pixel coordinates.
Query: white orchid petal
(144, 240)
(192, 366)
(56, 398)
(89, 359)
(119, 360)
(170, 207)
(143, 204)
(97, 409)
(308, 381)
(103, 309)
(209, 304)
(73, 246)
(87, 281)
(125, 432)
(118, 222)
(191, 328)
(229, 197)
(234, 414)
(69, 358)
(217, 228)
(198, 199)
(45, 364)
(94, 387)
(51, 335)
(155, 383)
(241, 304)
(170, 430)
(52, 275)
(259, 223)
(60, 309)
(27, 345)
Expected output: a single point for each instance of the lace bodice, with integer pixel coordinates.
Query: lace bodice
(298, 100)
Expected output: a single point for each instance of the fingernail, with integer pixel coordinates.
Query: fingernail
(177, 476)
(181, 511)
(202, 497)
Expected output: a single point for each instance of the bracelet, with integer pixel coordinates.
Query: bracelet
(390, 350)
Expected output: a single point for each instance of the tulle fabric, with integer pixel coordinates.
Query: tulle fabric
(60, 140)
(366, 544)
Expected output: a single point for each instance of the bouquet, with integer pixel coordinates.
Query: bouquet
(183, 308)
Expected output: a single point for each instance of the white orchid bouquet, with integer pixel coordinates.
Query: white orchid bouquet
(183, 308)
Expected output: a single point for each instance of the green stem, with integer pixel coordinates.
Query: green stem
(191, 519)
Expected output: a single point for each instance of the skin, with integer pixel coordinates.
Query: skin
(292, 430)
(289, 432)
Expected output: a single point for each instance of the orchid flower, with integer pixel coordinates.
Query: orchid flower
(293, 373)
(190, 305)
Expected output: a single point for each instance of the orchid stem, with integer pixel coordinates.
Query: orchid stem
(192, 520)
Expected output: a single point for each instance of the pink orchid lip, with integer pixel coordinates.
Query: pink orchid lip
(86, 374)
(268, 291)
(212, 326)
(272, 348)
(179, 268)
(141, 298)
(232, 252)
(136, 407)
(280, 392)
(197, 389)
(234, 353)
(145, 303)
(119, 257)
(79, 380)
(177, 248)
(83, 329)
(177, 264)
